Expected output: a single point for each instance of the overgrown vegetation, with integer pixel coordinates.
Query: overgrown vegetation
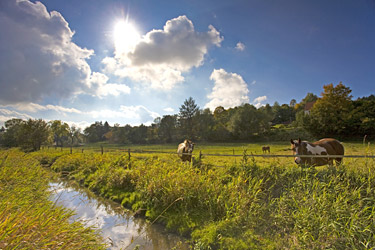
(246, 204)
(28, 219)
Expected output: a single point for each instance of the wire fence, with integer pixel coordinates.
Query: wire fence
(129, 151)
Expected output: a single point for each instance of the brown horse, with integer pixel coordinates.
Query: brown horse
(327, 146)
(185, 150)
(266, 149)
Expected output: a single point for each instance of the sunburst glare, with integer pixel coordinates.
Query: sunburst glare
(125, 37)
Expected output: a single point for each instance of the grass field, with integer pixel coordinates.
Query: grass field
(235, 202)
(238, 149)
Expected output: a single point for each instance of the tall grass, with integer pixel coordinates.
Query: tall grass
(243, 204)
(28, 219)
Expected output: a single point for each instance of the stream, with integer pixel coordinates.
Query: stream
(117, 225)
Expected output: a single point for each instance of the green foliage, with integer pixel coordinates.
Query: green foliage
(330, 114)
(188, 110)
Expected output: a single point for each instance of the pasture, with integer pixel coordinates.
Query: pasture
(233, 152)
(228, 202)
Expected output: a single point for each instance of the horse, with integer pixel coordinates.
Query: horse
(326, 146)
(266, 149)
(185, 150)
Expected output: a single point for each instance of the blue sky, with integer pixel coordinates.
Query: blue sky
(128, 62)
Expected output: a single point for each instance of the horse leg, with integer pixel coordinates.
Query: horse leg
(338, 161)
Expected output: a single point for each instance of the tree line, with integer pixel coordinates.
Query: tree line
(334, 114)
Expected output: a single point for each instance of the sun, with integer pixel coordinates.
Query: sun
(125, 37)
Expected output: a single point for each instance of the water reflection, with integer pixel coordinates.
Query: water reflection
(118, 227)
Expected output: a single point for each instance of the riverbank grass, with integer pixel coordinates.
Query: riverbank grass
(28, 219)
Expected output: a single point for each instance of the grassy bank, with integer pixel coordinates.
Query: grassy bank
(242, 204)
(28, 220)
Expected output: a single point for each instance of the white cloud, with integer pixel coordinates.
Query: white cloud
(99, 83)
(229, 90)
(33, 108)
(6, 115)
(39, 59)
(38, 56)
(258, 102)
(260, 99)
(140, 113)
(161, 56)
(169, 110)
(240, 46)
(132, 114)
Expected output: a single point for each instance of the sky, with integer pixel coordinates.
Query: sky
(129, 62)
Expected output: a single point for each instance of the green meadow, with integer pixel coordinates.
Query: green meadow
(222, 202)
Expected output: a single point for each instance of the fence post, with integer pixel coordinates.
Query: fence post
(101, 147)
(200, 154)
(129, 153)
(71, 150)
(82, 151)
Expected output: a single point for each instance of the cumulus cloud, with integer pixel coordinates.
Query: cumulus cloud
(170, 110)
(34, 107)
(240, 46)
(6, 115)
(140, 113)
(229, 90)
(132, 114)
(99, 83)
(258, 102)
(161, 56)
(38, 57)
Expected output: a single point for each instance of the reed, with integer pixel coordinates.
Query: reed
(28, 219)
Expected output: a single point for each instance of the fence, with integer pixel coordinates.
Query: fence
(102, 150)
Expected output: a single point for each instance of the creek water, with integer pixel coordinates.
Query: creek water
(118, 227)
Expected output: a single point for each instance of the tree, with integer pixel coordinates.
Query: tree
(11, 136)
(60, 132)
(96, 131)
(244, 122)
(283, 114)
(330, 114)
(204, 124)
(187, 112)
(167, 128)
(362, 117)
(33, 134)
(74, 135)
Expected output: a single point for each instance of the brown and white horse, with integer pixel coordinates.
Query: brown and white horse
(327, 146)
(185, 150)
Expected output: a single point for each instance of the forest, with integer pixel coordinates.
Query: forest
(333, 114)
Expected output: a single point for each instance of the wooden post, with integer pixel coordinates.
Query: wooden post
(82, 151)
(71, 150)
(129, 153)
(101, 146)
(61, 148)
(200, 155)
(233, 151)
